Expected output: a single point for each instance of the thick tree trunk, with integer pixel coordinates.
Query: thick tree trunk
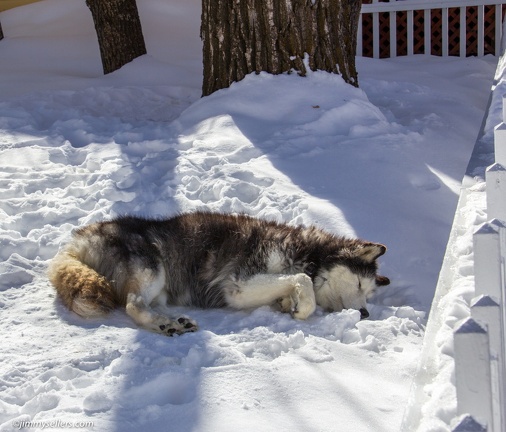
(276, 36)
(119, 32)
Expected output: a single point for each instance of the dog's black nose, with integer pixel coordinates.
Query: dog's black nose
(364, 313)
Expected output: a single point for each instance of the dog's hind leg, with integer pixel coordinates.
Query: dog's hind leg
(266, 289)
(147, 288)
(146, 317)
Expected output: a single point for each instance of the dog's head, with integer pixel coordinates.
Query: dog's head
(350, 278)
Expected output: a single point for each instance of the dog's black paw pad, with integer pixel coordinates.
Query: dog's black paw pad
(187, 324)
(171, 331)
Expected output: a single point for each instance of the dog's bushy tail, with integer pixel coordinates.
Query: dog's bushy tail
(81, 288)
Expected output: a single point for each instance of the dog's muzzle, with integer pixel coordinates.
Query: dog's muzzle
(364, 313)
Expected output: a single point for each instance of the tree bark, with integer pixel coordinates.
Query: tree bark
(276, 36)
(119, 32)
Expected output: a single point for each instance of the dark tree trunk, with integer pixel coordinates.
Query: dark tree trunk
(276, 36)
(1, 32)
(119, 32)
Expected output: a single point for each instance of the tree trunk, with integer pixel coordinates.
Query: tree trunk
(119, 32)
(276, 36)
(1, 32)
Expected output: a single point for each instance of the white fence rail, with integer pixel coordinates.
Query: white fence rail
(480, 341)
(410, 6)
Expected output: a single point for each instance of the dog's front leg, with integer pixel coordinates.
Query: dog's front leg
(266, 289)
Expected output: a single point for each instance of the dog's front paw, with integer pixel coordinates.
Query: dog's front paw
(287, 304)
(305, 304)
(180, 326)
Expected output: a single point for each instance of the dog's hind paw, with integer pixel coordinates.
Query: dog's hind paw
(180, 326)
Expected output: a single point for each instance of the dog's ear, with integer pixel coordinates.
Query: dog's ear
(370, 251)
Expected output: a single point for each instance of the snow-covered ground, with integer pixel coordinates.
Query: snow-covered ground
(383, 162)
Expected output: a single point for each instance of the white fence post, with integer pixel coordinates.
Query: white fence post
(393, 33)
(472, 372)
(427, 32)
(488, 263)
(359, 36)
(444, 27)
(463, 29)
(498, 29)
(496, 191)
(487, 310)
(503, 109)
(500, 138)
(500, 143)
(376, 35)
(481, 30)
(410, 32)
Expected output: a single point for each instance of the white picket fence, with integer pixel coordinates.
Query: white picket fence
(409, 6)
(480, 341)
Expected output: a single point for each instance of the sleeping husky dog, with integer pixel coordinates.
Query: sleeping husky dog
(211, 260)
